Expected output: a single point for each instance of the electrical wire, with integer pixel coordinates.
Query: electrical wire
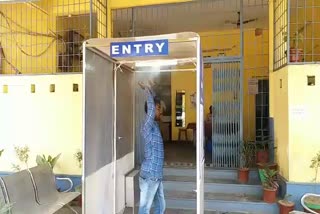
(31, 33)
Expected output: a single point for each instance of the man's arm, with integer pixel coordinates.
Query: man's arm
(147, 126)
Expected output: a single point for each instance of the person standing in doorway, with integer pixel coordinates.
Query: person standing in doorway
(151, 173)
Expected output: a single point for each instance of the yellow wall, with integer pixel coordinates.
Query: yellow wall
(296, 117)
(281, 119)
(22, 17)
(49, 123)
(134, 3)
(255, 63)
(304, 117)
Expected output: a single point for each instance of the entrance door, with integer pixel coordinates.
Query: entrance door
(226, 136)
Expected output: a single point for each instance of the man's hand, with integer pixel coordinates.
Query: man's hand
(151, 83)
(142, 85)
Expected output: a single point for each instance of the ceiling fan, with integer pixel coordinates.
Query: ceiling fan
(238, 22)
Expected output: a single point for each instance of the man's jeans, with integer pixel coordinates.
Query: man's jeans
(151, 191)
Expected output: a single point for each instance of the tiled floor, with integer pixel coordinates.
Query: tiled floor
(175, 211)
(66, 210)
(183, 152)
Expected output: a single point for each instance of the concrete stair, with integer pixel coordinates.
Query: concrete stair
(223, 193)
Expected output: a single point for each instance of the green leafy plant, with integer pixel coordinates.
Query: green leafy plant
(246, 156)
(78, 188)
(297, 37)
(1, 151)
(270, 179)
(286, 198)
(78, 156)
(315, 164)
(23, 155)
(285, 201)
(51, 161)
(5, 208)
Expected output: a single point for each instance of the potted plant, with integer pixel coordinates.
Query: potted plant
(243, 172)
(47, 160)
(262, 154)
(23, 155)
(296, 53)
(270, 185)
(5, 208)
(285, 205)
(312, 201)
(78, 157)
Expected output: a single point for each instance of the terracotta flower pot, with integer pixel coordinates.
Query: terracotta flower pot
(243, 175)
(269, 195)
(286, 206)
(273, 166)
(262, 156)
(296, 55)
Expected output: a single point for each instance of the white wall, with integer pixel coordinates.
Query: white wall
(49, 123)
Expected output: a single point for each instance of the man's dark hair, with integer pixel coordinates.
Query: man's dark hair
(156, 102)
(210, 108)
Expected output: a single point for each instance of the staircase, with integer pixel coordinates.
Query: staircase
(222, 192)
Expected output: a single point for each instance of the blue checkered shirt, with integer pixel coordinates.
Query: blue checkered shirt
(152, 165)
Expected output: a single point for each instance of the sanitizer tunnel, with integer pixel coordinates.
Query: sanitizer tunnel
(110, 68)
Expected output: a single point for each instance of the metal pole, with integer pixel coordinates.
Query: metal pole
(115, 70)
(199, 132)
(83, 126)
(242, 70)
(133, 22)
(90, 17)
(288, 31)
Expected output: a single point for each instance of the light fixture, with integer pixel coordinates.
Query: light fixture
(16, 1)
(156, 63)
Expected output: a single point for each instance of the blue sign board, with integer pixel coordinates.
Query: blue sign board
(140, 48)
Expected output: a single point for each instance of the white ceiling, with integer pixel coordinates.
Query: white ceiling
(197, 16)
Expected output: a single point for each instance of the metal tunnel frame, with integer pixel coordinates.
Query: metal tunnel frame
(185, 49)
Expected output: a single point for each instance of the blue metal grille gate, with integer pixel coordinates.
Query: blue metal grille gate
(226, 126)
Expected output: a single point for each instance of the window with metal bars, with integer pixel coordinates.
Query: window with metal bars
(296, 32)
(46, 36)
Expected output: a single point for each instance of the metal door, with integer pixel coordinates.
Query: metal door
(98, 104)
(226, 126)
(124, 147)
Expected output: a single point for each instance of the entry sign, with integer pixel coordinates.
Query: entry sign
(140, 48)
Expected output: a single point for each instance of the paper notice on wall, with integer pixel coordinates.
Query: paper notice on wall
(298, 112)
(253, 86)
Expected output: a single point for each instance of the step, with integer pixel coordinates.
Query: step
(184, 211)
(216, 187)
(209, 180)
(231, 174)
(220, 202)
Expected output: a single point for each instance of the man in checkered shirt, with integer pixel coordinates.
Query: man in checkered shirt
(151, 174)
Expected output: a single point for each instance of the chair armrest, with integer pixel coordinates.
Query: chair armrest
(66, 179)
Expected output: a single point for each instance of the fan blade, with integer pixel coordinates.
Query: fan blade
(250, 20)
